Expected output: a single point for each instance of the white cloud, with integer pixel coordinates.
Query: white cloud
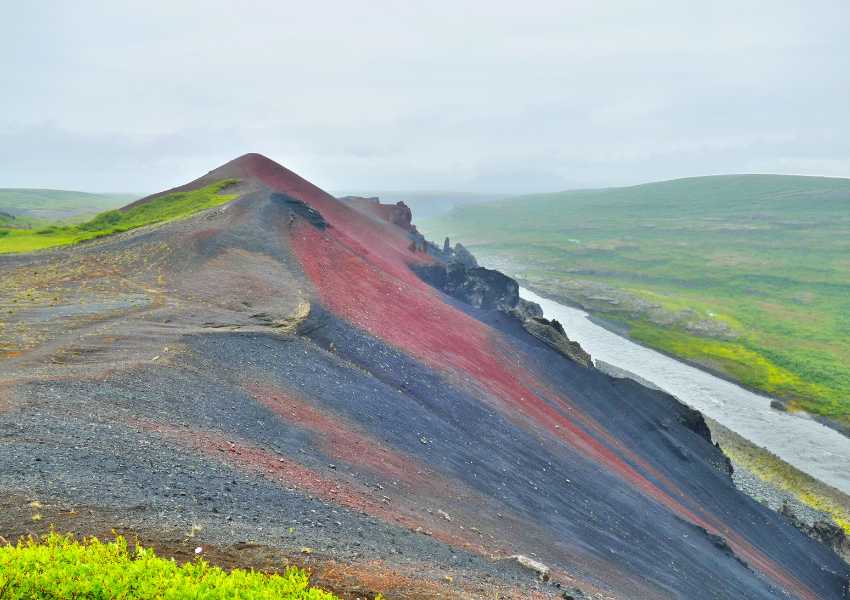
(142, 95)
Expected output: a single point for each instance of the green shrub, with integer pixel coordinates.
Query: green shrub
(102, 221)
(59, 567)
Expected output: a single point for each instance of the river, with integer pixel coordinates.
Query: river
(804, 443)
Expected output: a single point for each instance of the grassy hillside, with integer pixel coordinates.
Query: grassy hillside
(55, 205)
(747, 275)
(159, 210)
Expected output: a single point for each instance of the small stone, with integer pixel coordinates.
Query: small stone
(532, 565)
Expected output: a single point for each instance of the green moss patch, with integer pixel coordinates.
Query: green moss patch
(61, 567)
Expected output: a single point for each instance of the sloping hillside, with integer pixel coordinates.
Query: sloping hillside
(274, 374)
(746, 275)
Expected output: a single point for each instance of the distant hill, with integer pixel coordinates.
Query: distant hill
(54, 205)
(747, 275)
(738, 194)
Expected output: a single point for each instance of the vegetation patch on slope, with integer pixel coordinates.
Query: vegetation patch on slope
(59, 566)
(165, 208)
(746, 275)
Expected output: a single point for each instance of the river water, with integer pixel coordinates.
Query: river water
(806, 444)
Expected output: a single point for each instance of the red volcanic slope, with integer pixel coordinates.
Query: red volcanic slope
(362, 272)
(385, 242)
(442, 336)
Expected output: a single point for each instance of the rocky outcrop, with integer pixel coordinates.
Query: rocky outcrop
(826, 532)
(489, 289)
(481, 287)
(693, 420)
(464, 256)
(448, 254)
(552, 333)
(397, 214)
(300, 209)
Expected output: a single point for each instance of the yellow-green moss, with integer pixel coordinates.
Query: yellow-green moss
(61, 567)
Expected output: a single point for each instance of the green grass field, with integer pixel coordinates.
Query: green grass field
(62, 567)
(747, 275)
(159, 210)
(57, 205)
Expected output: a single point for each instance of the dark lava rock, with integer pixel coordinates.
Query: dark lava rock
(693, 420)
(464, 256)
(481, 287)
(726, 465)
(829, 534)
(298, 208)
(525, 309)
(489, 289)
(778, 405)
(552, 333)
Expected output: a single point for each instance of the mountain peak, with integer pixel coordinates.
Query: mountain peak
(250, 163)
(252, 169)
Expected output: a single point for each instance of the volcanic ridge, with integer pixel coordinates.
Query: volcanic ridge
(304, 376)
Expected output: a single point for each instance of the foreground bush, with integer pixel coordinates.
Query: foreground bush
(61, 567)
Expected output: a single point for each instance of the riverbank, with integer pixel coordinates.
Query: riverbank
(817, 508)
(820, 452)
(624, 331)
(768, 479)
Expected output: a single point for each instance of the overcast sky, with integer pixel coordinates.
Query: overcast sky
(489, 96)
